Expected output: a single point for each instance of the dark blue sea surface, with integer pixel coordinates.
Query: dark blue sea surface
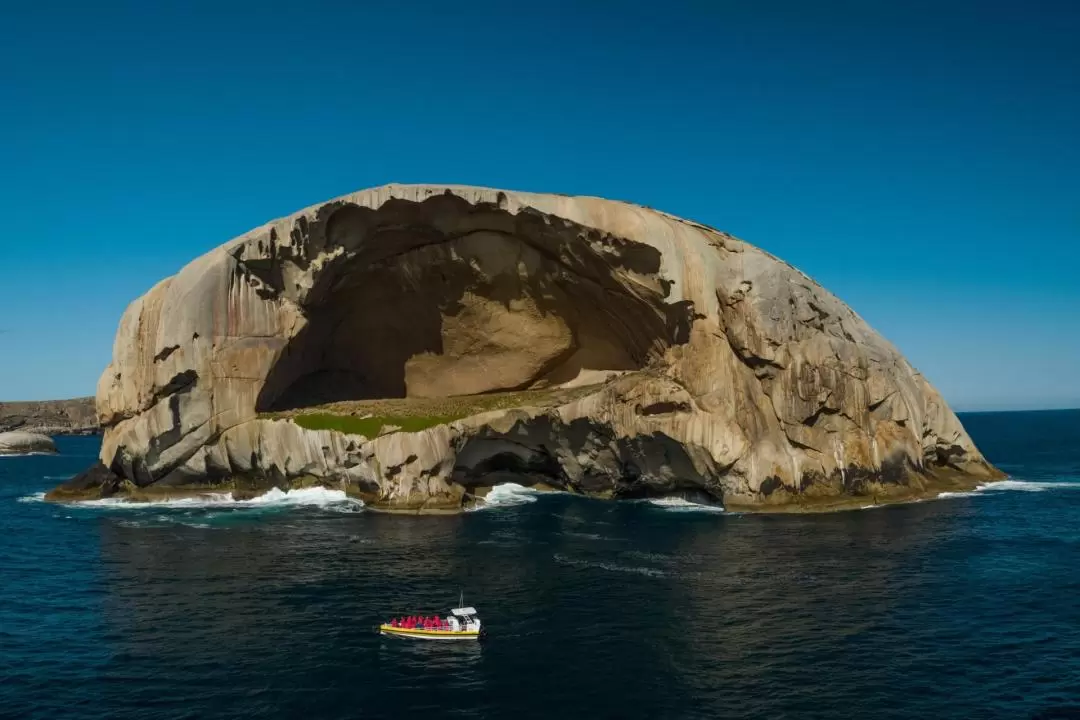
(964, 607)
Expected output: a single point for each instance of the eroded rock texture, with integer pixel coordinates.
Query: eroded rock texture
(718, 369)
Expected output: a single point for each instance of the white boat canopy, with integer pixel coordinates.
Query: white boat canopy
(462, 612)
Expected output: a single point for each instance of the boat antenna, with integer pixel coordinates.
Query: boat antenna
(461, 600)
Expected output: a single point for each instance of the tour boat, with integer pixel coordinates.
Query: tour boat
(462, 624)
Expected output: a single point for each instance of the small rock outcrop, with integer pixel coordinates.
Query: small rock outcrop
(699, 363)
(25, 443)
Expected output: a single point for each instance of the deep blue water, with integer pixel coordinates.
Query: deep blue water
(967, 607)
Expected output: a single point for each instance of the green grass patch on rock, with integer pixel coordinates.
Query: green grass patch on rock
(370, 427)
(371, 418)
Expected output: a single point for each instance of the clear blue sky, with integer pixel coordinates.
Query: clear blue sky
(919, 159)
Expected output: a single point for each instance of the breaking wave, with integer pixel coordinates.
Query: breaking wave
(36, 497)
(302, 497)
(1018, 485)
(506, 495)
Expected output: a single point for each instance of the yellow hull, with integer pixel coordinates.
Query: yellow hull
(420, 634)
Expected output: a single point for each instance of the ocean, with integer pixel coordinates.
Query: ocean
(962, 607)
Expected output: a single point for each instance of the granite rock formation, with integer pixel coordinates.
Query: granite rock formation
(704, 365)
(24, 443)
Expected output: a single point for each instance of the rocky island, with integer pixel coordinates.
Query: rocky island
(408, 344)
(25, 443)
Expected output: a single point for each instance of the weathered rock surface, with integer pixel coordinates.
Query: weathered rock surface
(732, 374)
(22, 443)
(51, 417)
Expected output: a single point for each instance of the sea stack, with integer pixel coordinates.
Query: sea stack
(408, 343)
(25, 443)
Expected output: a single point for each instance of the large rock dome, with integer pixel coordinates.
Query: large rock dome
(411, 343)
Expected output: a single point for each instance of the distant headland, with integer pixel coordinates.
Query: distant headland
(51, 417)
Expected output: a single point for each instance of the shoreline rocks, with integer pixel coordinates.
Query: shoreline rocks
(708, 365)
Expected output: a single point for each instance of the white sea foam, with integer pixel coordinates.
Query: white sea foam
(507, 494)
(303, 496)
(584, 536)
(677, 504)
(947, 495)
(611, 567)
(1018, 485)
(36, 497)
(1027, 486)
(207, 500)
(309, 497)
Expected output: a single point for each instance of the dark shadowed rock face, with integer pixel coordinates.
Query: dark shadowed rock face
(700, 365)
(22, 443)
(96, 481)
